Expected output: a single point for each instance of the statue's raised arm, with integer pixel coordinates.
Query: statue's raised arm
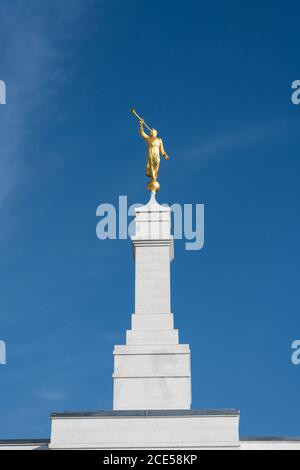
(142, 132)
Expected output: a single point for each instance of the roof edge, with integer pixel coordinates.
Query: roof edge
(149, 413)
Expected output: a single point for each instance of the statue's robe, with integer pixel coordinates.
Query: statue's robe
(153, 161)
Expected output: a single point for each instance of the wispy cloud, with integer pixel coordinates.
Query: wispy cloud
(52, 395)
(34, 37)
(222, 144)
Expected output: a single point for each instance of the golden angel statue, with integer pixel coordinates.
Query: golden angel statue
(155, 149)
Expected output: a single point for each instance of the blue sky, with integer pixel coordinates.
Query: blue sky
(215, 79)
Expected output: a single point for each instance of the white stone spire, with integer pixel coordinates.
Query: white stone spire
(152, 371)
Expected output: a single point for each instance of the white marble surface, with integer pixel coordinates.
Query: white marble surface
(164, 321)
(146, 432)
(152, 370)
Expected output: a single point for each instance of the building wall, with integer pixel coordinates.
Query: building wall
(251, 445)
(284, 444)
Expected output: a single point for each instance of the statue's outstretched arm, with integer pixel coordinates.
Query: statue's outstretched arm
(162, 150)
(142, 132)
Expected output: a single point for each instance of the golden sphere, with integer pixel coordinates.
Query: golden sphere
(153, 185)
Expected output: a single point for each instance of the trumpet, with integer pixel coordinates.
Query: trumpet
(133, 111)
